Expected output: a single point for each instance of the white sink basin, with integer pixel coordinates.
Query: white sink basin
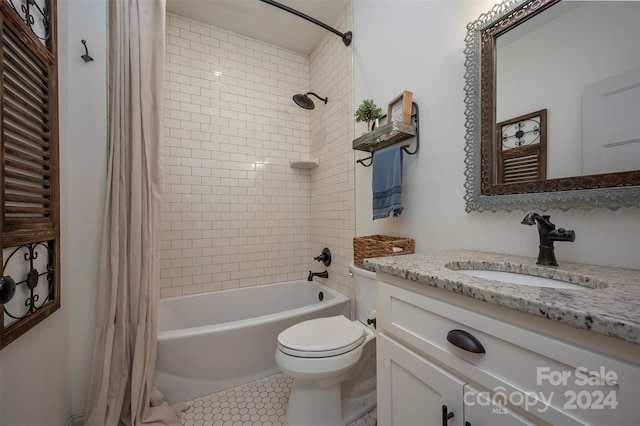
(512, 278)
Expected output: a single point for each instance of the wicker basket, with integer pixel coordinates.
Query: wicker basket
(379, 246)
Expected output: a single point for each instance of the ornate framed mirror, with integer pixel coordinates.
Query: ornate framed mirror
(512, 69)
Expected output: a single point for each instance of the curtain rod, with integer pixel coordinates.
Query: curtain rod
(346, 37)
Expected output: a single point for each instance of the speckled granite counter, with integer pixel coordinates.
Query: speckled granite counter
(610, 304)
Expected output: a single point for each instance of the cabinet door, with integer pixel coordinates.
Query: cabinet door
(412, 390)
(479, 410)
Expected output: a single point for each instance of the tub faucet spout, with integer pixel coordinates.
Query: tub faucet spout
(324, 274)
(548, 234)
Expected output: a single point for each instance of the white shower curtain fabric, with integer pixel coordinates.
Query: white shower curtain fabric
(121, 388)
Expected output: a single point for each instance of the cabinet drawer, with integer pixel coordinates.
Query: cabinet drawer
(541, 375)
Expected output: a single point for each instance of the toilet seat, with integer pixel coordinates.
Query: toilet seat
(322, 337)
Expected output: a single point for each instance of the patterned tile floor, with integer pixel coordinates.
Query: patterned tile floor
(263, 402)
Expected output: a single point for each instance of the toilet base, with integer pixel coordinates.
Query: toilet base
(311, 405)
(353, 409)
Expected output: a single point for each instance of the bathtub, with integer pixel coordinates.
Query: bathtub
(214, 341)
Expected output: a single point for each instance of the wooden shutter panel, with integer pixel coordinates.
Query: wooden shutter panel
(524, 164)
(26, 133)
(29, 175)
(522, 149)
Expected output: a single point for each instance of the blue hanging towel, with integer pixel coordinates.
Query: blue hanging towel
(387, 183)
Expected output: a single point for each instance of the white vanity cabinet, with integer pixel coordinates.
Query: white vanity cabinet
(524, 377)
(415, 391)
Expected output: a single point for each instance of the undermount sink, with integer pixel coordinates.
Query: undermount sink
(521, 279)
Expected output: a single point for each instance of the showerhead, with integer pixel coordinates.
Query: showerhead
(303, 101)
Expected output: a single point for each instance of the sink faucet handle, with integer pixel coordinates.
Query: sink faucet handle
(530, 219)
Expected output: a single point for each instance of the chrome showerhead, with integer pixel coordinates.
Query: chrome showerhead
(303, 101)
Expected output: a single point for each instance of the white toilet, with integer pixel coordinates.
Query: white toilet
(332, 362)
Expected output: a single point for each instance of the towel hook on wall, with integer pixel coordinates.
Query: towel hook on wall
(86, 56)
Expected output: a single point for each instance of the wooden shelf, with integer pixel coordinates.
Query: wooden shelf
(384, 136)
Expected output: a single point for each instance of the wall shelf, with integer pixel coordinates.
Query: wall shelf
(304, 164)
(384, 136)
(389, 134)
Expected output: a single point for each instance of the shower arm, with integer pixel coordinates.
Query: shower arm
(346, 37)
(322, 99)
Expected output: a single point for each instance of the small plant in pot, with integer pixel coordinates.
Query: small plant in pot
(368, 112)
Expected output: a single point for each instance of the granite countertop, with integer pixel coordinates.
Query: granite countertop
(610, 304)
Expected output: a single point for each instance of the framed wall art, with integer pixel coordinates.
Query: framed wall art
(400, 108)
(521, 147)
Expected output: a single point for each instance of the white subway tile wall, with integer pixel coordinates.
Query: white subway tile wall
(331, 131)
(235, 214)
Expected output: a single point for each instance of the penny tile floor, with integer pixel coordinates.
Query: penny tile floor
(263, 402)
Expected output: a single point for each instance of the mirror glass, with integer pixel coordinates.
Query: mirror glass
(579, 61)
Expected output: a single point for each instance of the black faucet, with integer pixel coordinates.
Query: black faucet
(548, 234)
(324, 274)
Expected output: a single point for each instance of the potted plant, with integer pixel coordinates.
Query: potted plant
(369, 112)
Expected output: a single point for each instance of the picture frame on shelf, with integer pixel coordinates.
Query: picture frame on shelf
(400, 108)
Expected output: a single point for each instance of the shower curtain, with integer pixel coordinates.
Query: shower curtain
(121, 388)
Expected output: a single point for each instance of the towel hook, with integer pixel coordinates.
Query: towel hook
(86, 56)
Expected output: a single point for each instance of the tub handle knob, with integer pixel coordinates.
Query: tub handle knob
(325, 257)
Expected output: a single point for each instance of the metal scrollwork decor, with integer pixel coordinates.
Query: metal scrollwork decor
(36, 15)
(21, 258)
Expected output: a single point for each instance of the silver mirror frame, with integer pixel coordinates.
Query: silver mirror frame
(586, 199)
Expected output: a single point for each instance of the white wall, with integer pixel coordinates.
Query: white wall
(83, 156)
(34, 375)
(418, 46)
(44, 373)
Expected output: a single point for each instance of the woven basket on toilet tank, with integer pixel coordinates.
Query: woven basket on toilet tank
(379, 246)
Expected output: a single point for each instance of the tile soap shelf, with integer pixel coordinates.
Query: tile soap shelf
(304, 164)
(387, 135)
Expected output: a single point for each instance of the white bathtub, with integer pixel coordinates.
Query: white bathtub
(214, 341)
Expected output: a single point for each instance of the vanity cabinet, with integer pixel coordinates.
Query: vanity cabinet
(415, 389)
(524, 376)
(418, 392)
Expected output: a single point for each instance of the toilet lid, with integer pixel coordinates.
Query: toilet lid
(322, 337)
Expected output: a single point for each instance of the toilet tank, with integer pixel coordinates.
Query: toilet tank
(365, 288)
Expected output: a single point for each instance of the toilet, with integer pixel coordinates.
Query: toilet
(332, 362)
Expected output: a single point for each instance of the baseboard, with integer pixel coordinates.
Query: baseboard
(76, 420)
